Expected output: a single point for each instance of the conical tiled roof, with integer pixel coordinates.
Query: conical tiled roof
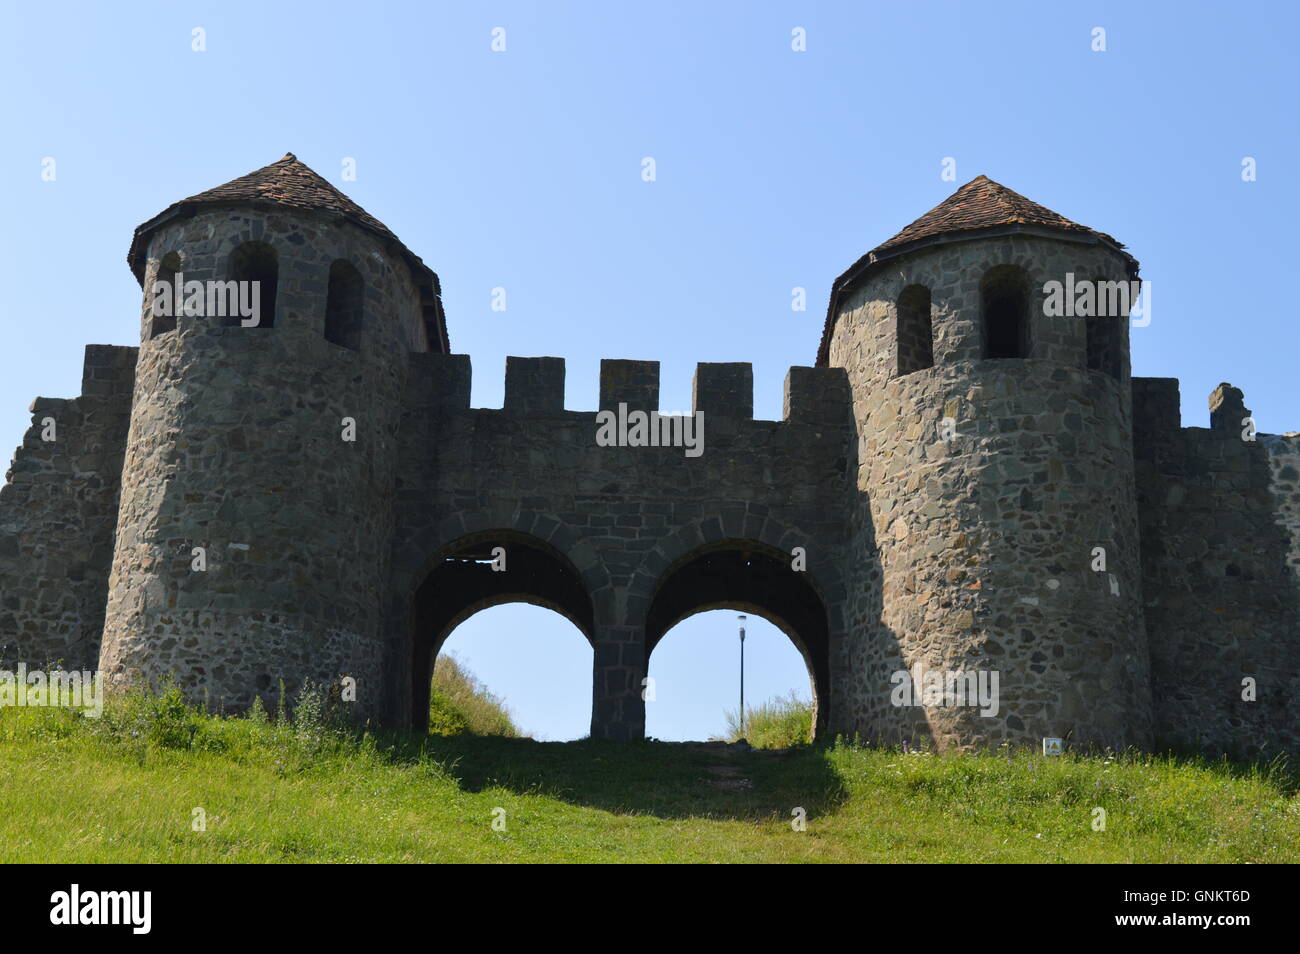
(981, 204)
(290, 183)
(981, 207)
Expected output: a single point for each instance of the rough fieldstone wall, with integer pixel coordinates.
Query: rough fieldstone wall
(58, 509)
(976, 553)
(1284, 462)
(236, 445)
(622, 516)
(1221, 601)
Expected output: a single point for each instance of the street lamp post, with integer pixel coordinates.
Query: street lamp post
(742, 677)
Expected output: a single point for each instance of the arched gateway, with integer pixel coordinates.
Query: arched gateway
(488, 568)
(933, 497)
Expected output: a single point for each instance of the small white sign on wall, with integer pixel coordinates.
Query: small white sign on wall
(1053, 746)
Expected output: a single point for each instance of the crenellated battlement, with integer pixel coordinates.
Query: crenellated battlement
(1220, 560)
(534, 474)
(93, 419)
(721, 390)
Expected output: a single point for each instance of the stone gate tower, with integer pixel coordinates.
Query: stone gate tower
(969, 485)
(995, 465)
(237, 455)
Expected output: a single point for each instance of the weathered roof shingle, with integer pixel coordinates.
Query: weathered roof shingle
(289, 182)
(979, 206)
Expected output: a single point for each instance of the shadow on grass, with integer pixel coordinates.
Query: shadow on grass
(663, 779)
(697, 780)
(1277, 767)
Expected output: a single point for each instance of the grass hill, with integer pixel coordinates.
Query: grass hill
(153, 780)
(458, 703)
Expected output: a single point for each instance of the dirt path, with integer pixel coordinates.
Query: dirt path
(723, 771)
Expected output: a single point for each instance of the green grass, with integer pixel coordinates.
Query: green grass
(775, 724)
(123, 789)
(458, 703)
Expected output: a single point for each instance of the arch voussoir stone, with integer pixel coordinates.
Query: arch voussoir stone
(733, 521)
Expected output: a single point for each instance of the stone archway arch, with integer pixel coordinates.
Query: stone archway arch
(744, 565)
(442, 576)
(823, 569)
(414, 557)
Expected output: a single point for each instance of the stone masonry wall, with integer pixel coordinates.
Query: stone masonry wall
(975, 554)
(58, 510)
(622, 516)
(236, 445)
(1284, 463)
(1221, 601)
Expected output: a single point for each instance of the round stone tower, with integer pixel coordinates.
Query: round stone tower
(256, 505)
(996, 521)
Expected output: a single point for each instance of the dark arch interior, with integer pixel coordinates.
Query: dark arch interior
(256, 262)
(343, 305)
(1004, 299)
(168, 266)
(462, 582)
(749, 577)
(915, 330)
(1104, 333)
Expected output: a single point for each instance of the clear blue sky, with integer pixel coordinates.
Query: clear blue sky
(775, 169)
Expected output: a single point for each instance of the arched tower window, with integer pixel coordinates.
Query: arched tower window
(1105, 333)
(915, 332)
(168, 266)
(343, 305)
(255, 262)
(1004, 300)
